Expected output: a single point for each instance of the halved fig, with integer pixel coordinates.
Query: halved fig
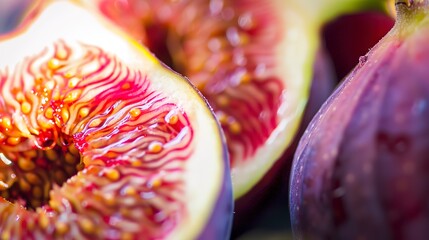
(251, 59)
(99, 141)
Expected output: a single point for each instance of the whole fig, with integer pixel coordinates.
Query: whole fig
(361, 170)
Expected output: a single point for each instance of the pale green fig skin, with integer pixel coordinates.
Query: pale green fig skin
(361, 169)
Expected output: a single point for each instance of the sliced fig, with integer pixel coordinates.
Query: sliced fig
(99, 141)
(251, 59)
(361, 168)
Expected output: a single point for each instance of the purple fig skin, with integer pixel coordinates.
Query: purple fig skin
(361, 170)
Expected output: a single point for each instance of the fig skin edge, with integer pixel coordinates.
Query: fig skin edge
(349, 179)
(221, 214)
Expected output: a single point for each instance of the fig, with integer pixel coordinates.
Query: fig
(251, 59)
(361, 168)
(98, 140)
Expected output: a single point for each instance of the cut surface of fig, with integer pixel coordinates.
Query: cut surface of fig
(99, 140)
(361, 169)
(235, 53)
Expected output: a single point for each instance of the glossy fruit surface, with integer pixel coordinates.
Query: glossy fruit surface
(361, 169)
(100, 141)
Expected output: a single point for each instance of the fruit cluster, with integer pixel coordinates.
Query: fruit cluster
(187, 119)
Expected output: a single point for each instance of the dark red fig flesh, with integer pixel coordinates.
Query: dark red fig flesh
(361, 169)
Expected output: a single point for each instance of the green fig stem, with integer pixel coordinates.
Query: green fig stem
(411, 14)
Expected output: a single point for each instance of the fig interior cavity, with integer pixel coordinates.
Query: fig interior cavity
(106, 140)
(227, 49)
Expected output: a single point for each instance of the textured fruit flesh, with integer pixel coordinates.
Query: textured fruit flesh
(230, 51)
(226, 48)
(361, 168)
(90, 145)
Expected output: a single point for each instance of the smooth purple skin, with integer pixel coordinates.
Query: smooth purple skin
(361, 170)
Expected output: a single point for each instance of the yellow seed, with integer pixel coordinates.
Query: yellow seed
(43, 221)
(111, 155)
(130, 191)
(54, 205)
(61, 228)
(49, 113)
(222, 101)
(126, 86)
(69, 74)
(222, 117)
(54, 64)
(136, 163)
(73, 150)
(49, 85)
(61, 54)
(30, 154)
(20, 97)
(65, 115)
(51, 155)
(6, 122)
(2, 136)
(13, 140)
(126, 236)
(26, 164)
(235, 127)
(172, 119)
(32, 178)
(135, 112)
(110, 199)
(80, 167)
(56, 96)
(70, 159)
(86, 225)
(30, 224)
(37, 192)
(156, 183)
(72, 96)
(95, 123)
(112, 174)
(60, 176)
(5, 235)
(83, 112)
(155, 147)
(245, 78)
(73, 82)
(24, 186)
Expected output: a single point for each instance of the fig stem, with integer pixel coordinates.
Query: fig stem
(410, 14)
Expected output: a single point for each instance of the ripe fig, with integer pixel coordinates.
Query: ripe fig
(251, 59)
(361, 168)
(98, 140)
